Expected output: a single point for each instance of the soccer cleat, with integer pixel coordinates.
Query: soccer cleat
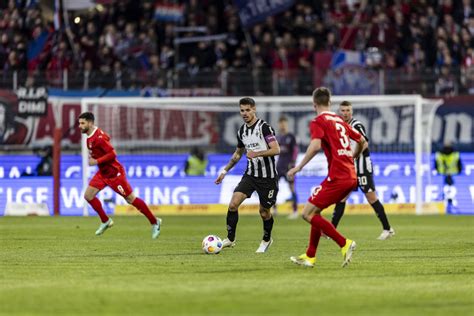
(104, 226)
(226, 243)
(293, 215)
(386, 234)
(156, 229)
(347, 251)
(304, 260)
(264, 245)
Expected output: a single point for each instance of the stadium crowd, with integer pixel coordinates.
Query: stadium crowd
(125, 43)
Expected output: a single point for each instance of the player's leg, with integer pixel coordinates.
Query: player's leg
(368, 187)
(309, 257)
(275, 207)
(323, 196)
(268, 221)
(233, 216)
(294, 198)
(338, 211)
(267, 193)
(95, 186)
(121, 185)
(387, 231)
(90, 197)
(140, 205)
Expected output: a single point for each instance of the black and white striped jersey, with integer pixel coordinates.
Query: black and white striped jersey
(256, 138)
(363, 164)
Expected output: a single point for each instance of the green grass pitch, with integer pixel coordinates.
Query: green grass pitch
(57, 266)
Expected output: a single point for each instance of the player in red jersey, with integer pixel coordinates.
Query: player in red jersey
(111, 173)
(333, 135)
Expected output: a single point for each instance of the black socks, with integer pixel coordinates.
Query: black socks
(232, 219)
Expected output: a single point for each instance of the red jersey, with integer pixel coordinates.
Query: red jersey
(102, 150)
(335, 135)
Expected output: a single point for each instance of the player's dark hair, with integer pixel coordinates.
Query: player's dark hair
(88, 116)
(346, 103)
(247, 101)
(321, 96)
(283, 119)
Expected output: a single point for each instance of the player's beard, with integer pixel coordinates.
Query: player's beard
(85, 130)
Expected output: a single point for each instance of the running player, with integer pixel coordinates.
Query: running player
(329, 132)
(258, 139)
(111, 173)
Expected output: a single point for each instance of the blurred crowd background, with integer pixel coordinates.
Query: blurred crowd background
(418, 46)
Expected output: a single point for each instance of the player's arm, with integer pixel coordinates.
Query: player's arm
(239, 151)
(361, 145)
(360, 139)
(272, 151)
(313, 148)
(109, 156)
(270, 139)
(361, 129)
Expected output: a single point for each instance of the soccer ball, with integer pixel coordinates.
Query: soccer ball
(212, 244)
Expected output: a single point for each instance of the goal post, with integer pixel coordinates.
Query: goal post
(397, 125)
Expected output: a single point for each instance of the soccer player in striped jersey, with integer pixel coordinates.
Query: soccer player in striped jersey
(111, 173)
(329, 132)
(365, 177)
(257, 138)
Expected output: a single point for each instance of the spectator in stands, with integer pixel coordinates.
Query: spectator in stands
(89, 78)
(196, 163)
(121, 77)
(127, 30)
(446, 84)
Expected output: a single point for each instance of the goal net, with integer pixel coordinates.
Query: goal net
(153, 138)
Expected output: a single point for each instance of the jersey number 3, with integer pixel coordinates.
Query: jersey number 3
(342, 132)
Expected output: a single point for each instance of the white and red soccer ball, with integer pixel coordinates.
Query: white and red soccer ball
(212, 244)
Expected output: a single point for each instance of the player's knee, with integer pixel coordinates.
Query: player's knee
(88, 196)
(371, 197)
(233, 207)
(264, 213)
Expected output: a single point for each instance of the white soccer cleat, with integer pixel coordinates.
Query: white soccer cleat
(156, 229)
(104, 226)
(386, 234)
(293, 215)
(226, 243)
(264, 245)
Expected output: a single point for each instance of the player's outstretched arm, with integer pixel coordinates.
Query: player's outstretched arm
(239, 151)
(312, 150)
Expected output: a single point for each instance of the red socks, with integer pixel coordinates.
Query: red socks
(321, 224)
(97, 206)
(143, 208)
(314, 237)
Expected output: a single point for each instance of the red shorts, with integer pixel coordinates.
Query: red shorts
(331, 191)
(119, 184)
